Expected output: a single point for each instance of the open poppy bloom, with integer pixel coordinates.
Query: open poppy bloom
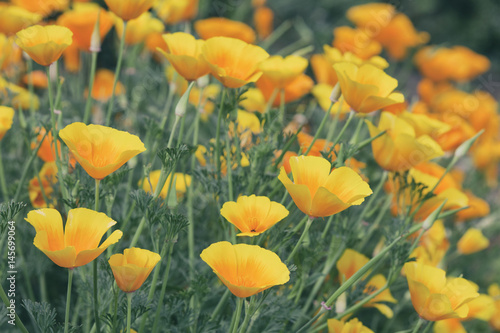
(245, 269)
(351, 326)
(16, 18)
(45, 7)
(100, 150)
(184, 54)
(140, 28)
(352, 261)
(254, 214)
(6, 119)
(223, 27)
(233, 62)
(281, 71)
(318, 192)
(78, 244)
(175, 11)
(133, 267)
(367, 88)
(435, 297)
(356, 41)
(182, 182)
(103, 85)
(47, 177)
(129, 9)
(400, 148)
(472, 241)
(44, 44)
(294, 89)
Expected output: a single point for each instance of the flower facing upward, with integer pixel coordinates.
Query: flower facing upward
(129, 9)
(6, 119)
(318, 192)
(78, 244)
(254, 214)
(100, 150)
(245, 269)
(223, 27)
(435, 297)
(184, 54)
(400, 148)
(44, 44)
(233, 62)
(133, 267)
(367, 88)
(281, 71)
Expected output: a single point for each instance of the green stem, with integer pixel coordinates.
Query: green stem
(117, 74)
(229, 169)
(318, 131)
(97, 182)
(115, 309)
(96, 300)
(247, 318)
(88, 103)
(68, 300)
(282, 106)
(236, 317)
(217, 136)
(30, 85)
(163, 287)
(337, 139)
(3, 183)
(333, 126)
(172, 134)
(219, 306)
(129, 311)
(418, 325)
(306, 230)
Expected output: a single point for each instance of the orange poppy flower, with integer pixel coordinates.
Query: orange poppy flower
(254, 214)
(184, 54)
(435, 297)
(357, 41)
(477, 208)
(175, 11)
(16, 18)
(48, 178)
(233, 62)
(223, 27)
(245, 269)
(100, 150)
(155, 43)
(44, 8)
(400, 148)
(367, 88)
(103, 85)
(11, 55)
(39, 79)
(6, 119)
(281, 71)
(371, 15)
(129, 9)
(81, 21)
(133, 267)
(78, 243)
(44, 44)
(71, 57)
(318, 192)
(294, 90)
(263, 18)
(46, 151)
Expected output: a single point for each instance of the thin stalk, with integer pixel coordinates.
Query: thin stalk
(320, 128)
(270, 102)
(217, 136)
(88, 103)
(418, 325)
(163, 287)
(68, 300)
(282, 106)
(3, 183)
(117, 74)
(174, 128)
(30, 85)
(337, 139)
(306, 230)
(219, 306)
(229, 170)
(247, 318)
(94, 265)
(236, 317)
(129, 311)
(333, 126)
(276, 34)
(115, 309)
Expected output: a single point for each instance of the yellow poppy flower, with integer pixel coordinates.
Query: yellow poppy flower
(44, 44)
(81, 21)
(435, 297)
(16, 18)
(253, 101)
(294, 89)
(133, 267)
(182, 182)
(367, 88)
(138, 29)
(100, 150)
(174, 11)
(129, 9)
(254, 214)
(6, 119)
(233, 62)
(78, 244)
(433, 245)
(184, 54)
(223, 27)
(351, 326)
(452, 325)
(399, 148)
(352, 261)
(356, 41)
(281, 71)
(472, 241)
(245, 269)
(45, 7)
(318, 192)
(322, 92)
(477, 208)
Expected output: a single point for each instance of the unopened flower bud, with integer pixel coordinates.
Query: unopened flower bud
(336, 93)
(181, 107)
(95, 40)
